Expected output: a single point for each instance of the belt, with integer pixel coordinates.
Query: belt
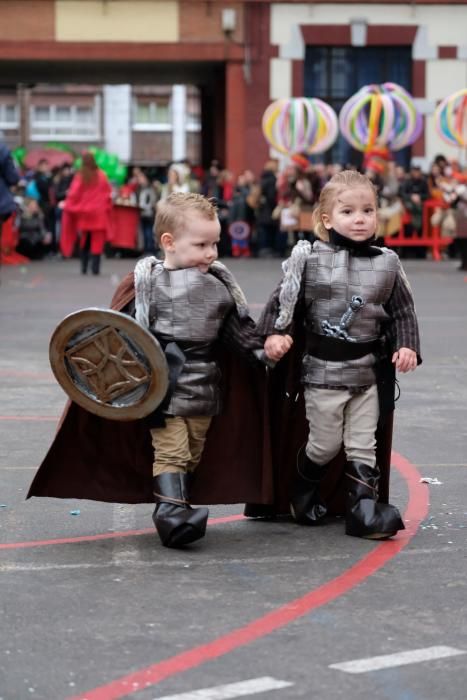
(325, 347)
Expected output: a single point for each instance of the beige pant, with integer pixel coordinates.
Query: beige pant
(336, 416)
(178, 447)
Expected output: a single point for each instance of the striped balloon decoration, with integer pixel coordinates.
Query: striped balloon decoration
(383, 115)
(300, 125)
(451, 118)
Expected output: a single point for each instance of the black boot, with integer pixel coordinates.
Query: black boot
(365, 517)
(306, 505)
(95, 264)
(177, 523)
(462, 248)
(84, 254)
(260, 510)
(84, 261)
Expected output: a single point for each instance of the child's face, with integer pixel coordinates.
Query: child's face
(194, 246)
(353, 214)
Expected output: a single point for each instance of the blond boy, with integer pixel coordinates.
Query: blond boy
(189, 301)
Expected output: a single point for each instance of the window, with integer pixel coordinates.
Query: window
(152, 114)
(193, 113)
(69, 122)
(9, 116)
(334, 74)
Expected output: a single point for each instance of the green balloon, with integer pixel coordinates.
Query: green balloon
(120, 174)
(19, 154)
(112, 160)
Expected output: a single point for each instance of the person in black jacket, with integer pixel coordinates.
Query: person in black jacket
(413, 192)
(267, 227)
(9, 176)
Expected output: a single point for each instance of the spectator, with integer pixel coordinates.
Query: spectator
(9, 177)
(86, 212)
(240, 219)
(33, 235)
(267, 226)
(43, 180)
(305, 189)
(147, 201)
(61, 184)
(175, 181)
(211, 186)
(460, 208)
(414, 192)
(391, 209)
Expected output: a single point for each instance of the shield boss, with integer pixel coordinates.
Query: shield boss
(108, 364)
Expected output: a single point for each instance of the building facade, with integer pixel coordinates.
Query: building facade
(144, 124)
(236, 57)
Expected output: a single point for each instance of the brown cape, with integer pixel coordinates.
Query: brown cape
(249, 457)
(105, 460)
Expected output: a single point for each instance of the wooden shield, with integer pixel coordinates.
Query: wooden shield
(108, 364)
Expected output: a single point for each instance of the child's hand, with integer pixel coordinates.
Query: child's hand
(405, 360)
(276, 346)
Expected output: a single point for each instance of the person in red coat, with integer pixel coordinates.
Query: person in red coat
(86, 213)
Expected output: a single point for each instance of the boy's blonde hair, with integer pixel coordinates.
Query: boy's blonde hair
(173, 212)
(345, 180)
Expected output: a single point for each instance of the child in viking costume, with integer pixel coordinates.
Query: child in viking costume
(187, 299)
(353, 301)
(197, 312)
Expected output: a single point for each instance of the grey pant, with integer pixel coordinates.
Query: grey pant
(335, 416)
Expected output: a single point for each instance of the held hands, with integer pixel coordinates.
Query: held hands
(404, 359)
(276, 346)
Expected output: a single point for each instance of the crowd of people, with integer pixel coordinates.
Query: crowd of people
(261, 215)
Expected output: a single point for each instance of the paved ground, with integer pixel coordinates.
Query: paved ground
(121, 616)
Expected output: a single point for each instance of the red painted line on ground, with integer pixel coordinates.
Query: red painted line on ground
(35, 281)
(105, 536)
(416, 511)
(53, 419)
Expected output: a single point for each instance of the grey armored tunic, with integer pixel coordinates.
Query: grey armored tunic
(189, 307)
(332, 278)
(326, 280)
(196, 311)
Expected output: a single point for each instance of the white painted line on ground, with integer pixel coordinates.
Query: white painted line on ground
(16, 567)
(124, 550)
(232, 690)
(403, 658)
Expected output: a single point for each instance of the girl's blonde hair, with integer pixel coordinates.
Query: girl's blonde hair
(345, 180)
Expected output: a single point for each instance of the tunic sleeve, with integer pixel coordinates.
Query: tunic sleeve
(401, 308)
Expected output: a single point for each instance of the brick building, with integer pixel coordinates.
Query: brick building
(235, 56)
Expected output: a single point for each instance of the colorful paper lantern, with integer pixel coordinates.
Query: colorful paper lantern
(383, 115)
(451, 119)
(300, 124)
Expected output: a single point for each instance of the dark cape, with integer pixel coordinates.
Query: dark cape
(288, 430)
(106, 460)
(249, 456)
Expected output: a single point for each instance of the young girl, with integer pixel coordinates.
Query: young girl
(349, 295)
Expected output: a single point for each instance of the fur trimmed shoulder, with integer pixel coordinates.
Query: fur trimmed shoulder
(223, 273)
(290, 288)
(143, 272)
